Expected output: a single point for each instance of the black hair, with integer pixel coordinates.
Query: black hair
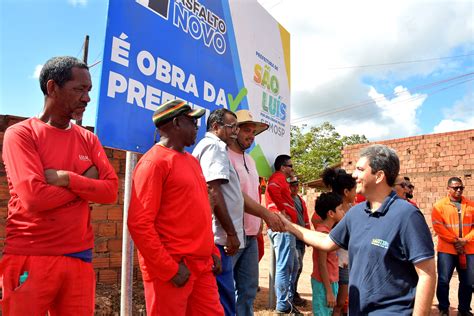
(217, 116)
(338, 180)
(454, 179)
(327, 201)
(280, 161)
(59, 69)
(383, 158)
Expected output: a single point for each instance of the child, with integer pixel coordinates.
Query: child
(325, 276)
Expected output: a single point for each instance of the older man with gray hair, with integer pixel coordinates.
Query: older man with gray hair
(391, 252)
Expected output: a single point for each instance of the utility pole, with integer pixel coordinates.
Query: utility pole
(84, 59)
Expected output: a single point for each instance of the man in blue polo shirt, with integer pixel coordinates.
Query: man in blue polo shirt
(391, 253)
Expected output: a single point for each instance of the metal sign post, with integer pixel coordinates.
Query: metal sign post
(127, 243)
(271, 278)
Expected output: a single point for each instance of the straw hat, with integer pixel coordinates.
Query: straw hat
(244, 116)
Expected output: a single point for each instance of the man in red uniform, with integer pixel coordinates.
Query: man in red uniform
(54, 168)
(453, 221)
(278, 199)
(170, 220)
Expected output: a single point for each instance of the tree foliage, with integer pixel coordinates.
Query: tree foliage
(317, 149)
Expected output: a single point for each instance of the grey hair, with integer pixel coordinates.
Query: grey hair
(59, 69)
(217, 116)
(382, 158)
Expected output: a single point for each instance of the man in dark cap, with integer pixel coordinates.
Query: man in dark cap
(170, 220)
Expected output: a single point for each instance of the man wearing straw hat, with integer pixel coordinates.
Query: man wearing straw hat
(245, 262)
(170, 220)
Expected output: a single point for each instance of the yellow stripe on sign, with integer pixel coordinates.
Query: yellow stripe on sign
(285, 41)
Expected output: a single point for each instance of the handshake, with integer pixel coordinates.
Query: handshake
(278, 222)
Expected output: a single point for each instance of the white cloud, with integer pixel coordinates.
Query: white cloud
(452, 125)
(391, 117)
(459, 117)
(36, 72)
(76, 3)
(330, 34)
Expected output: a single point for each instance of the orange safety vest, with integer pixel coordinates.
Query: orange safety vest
(445, 220)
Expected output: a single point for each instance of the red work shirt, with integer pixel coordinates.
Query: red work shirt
(278, 196)
(170, 215)
(45, 219)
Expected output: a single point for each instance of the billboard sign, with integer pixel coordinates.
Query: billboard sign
(213, 54)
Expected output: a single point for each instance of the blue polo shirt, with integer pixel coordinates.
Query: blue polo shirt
(383, 248)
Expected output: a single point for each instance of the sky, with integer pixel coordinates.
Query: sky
(385, 69)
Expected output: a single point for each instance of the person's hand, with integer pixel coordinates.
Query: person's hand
(91, 173)
(232, 245)
(182, 276)
(287, 224)
(217, 266)
(459, 245)
(330, 299)
(58, 178)
(274, 222)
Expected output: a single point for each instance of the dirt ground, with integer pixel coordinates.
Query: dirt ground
(108, 297)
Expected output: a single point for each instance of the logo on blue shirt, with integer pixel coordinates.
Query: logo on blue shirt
(379, 243)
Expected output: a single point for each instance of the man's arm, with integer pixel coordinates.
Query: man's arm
(25, 172)
(274, 192)
(316, 239)
(101, 190)
(426, 287)
(222, 214)
(145, 201)
(256, 209)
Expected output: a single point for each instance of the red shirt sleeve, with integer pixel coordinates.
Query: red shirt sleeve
(147, 188)
(26, 173)
(305, 214)
(102, 190)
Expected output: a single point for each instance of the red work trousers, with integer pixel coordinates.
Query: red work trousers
(199, 296)
(56, 284)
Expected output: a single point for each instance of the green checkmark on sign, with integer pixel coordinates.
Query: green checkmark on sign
(234, 103)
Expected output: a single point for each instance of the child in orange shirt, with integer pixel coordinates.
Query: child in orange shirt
(325, 276)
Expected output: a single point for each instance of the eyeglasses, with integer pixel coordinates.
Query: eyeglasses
(231, 126)
(402, 184)
(294, 184)
(191, 119)
(459, 188)
(291, 166)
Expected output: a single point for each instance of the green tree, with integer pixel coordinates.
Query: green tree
(317, 149)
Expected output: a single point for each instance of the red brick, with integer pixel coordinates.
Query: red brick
(119, 154)
(99, 213)
(101, 262)
(116, 260)
(115, 164)
(108, 276)
(114, 245)
(107, 230)
(115, 213)
(100, 245)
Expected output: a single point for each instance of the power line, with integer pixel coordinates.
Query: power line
(80, 50)
(372, 113)
(401, 62)
(374, 100)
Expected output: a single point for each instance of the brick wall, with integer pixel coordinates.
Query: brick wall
(429, 161)
(107, 220)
